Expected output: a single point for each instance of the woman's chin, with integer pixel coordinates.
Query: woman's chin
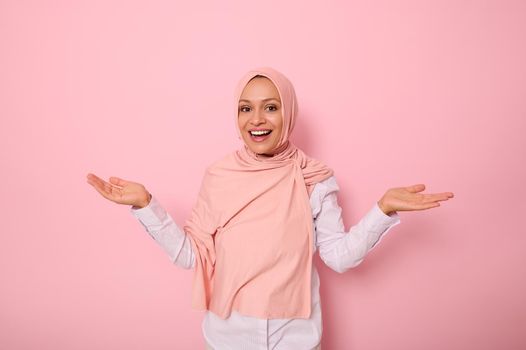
(264, 148)
(262, 151)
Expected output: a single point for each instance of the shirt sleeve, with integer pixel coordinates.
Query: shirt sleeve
(342, 250)
(165, 231)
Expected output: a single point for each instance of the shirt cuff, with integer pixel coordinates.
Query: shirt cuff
(378, 221)
(150, 215)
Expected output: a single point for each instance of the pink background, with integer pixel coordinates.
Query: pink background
(391, 93)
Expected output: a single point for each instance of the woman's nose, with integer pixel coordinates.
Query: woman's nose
(257, 117)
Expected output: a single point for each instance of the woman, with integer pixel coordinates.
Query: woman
(262, 212)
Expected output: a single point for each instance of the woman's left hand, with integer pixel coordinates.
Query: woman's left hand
(408, 198)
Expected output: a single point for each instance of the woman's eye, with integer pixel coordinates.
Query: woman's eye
(246, 108)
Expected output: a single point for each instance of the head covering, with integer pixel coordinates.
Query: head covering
(251, 228)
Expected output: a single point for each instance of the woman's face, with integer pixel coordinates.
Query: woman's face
(259, 112)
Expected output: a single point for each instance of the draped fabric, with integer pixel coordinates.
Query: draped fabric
(251, 226)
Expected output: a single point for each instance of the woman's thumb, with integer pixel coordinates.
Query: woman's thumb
(416, 188)
(118, 181)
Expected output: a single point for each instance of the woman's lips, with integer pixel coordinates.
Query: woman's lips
(259, 138)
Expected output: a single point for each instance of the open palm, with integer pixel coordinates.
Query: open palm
(409, 198)
(120, 191)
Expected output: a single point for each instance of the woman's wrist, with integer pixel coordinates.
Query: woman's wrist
(143, 203)
(382, 207)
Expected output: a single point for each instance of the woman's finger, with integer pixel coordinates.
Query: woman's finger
(422, 206)
(416, 188)
(95, 180)
(106, 189)
(430, 205)
(118, 181)
(102, 189)
(436, 197)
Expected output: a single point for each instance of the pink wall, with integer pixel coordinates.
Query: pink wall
(391, 93)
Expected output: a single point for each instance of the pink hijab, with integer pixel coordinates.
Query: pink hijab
(251, 228)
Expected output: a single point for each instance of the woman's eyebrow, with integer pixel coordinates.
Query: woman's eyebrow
(264, 100)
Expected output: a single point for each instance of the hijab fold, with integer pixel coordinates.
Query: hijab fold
(251, 227)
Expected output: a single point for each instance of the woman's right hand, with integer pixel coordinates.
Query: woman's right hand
(121, 191)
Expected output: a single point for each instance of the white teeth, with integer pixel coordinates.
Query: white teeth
(260, 132)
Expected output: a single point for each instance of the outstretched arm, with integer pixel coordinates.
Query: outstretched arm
(341, 250)
(165, 231)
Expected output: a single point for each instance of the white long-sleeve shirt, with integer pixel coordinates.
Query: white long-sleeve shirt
(340, 250)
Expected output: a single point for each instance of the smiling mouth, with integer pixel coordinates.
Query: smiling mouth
(260, 132)
(259, 136)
